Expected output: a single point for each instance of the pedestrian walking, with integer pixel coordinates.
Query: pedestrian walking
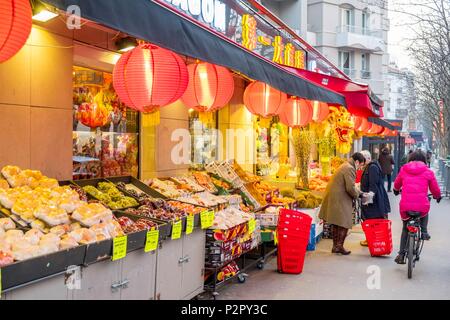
(429, 156)
(414, 181)
(337, 204)
(387, 162)
(372, 180)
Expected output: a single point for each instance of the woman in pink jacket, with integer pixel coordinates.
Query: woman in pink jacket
(414, 180)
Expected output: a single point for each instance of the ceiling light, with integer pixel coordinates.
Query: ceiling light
(41, 12)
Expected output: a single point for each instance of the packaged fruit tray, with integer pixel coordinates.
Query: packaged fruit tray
(105, 192)
(137, 185)
(136, 240)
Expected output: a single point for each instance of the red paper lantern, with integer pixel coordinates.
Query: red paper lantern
(263, 100)
(149, 76)
(320, 111)
(296, 112)
(15, 26)
(210, 87)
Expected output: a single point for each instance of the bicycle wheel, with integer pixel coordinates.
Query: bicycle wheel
(410, 257)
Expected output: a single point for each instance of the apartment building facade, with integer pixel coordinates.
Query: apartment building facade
(350, 33)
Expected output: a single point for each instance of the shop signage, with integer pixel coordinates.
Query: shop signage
(236, 21)
(189, 224)
(176, 230)
(207, 219)
(119, 248)
(251, 225)
(152, 240)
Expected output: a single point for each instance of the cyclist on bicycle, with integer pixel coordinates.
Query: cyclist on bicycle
(414, 180)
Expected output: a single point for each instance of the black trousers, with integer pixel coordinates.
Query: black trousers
(424, 227)
(389, 180)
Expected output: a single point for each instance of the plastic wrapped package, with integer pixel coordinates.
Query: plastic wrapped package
(27, 253)
(48, 247)
(7, 224)
(53, 216)
(2, 233)
(21, 244)
(67, 242)
(33, 236)
(39, 225)
(12, 236)
(75, 226)
(83, 235)
(60, 230)
(6, 198)
(101, 231)
(114, 229)
(10, 171)
(6, 258)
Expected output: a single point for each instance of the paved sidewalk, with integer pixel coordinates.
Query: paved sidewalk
(329, 276)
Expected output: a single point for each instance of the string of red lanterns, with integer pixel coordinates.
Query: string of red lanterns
(15, 26)
(149, 77)
(263, 100)
(296, 112)
(210, 87)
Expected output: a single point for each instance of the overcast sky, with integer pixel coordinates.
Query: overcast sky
(400, 31)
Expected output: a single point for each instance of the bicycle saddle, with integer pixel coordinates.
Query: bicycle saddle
(414, 214)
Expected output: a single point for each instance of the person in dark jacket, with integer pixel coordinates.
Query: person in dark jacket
(386, 161)
(372, 181)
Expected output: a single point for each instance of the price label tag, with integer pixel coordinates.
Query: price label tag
(152, 241)
(189, 224)
(251, 225)
(207, 219)
(119, 248)
(176, 230)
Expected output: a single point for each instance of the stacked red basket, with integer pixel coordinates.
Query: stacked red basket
(293, 235)
(379, 236)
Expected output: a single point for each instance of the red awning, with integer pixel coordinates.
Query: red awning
(360, 100)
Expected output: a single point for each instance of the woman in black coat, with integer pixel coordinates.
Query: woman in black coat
(372, 180)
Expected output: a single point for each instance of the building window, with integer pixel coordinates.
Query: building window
(365, 66)
(348, 19)
(346, 62)
(105, 131)
(365, 22)
(400, 90)
(399, 102)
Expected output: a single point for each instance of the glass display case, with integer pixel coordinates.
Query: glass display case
(204, 143)
(105, 132)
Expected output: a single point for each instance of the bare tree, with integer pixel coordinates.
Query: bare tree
(429, 21)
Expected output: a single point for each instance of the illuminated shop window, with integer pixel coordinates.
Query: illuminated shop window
(105, 132)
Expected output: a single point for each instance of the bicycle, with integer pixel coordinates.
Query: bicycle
(414, 242)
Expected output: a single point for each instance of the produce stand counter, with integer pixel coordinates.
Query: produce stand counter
(87, 272)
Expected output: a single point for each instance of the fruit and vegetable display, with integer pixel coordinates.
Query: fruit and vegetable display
(205, 199)
(220, 183)
(165, 210)
(129, 226)
(230, 217)
(19, 245)
(308, 200)
(110, 195)
(319, 183)
(188, 183)
(336, 162)
(205, 181)
(166, 188)
(133, 191)
(282, 201)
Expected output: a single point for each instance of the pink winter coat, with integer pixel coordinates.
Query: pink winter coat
(414, 179)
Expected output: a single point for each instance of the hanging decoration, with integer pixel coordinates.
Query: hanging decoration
(210, 87)
(296, 112)
(303, 140)
(343, 127)
(15, 26)
(263, 100)
(149, 77)
(92, 115)
(320, 111)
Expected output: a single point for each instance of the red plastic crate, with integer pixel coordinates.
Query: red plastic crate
(379, 236)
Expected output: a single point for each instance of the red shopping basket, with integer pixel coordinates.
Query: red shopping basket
(293, 236)
(379, 236)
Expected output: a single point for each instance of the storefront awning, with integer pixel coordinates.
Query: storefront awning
(360, 99)
(147, 20)
(382, 123)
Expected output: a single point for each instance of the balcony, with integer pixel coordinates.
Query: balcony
(365, 74)
(350, 72)
(360, 38)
